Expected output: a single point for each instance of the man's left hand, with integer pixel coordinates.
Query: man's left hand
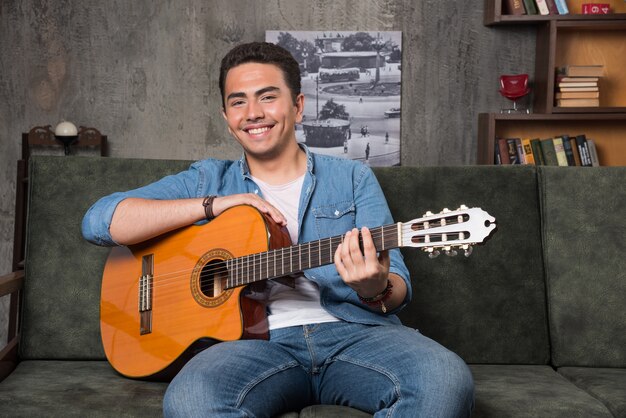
(363, 271)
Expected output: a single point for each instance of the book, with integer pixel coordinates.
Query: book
(542, 6)
(575, 153)
(561, 158)
(566, 79)
(515, 7)
(583, 150)
(530, 7)
(578, 84)
(596, 8)
(570, 89)
(569, 152)
(581, 70)
(535, 144)
(577, 95)
(503, 150)
(496, 154)
(593, 153)
(562, 6)
(578, 102)
(549, 153)
(529, 158)
(512, 150)
(552, 7)
(520, 151)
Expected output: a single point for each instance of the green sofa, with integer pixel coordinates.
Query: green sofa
(539, 311)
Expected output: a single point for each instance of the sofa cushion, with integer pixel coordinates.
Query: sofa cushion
(490, 307)
(332, 411)
(93, 389)
(586, 277)
(606, 385)
(530, 391)
(63, 272)
(327, 411)
(77, 389)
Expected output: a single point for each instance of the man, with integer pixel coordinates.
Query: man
(334, 338)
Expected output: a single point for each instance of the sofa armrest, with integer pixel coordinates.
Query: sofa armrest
(11, 283)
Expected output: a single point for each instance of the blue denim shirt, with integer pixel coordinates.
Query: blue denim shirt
(337, 195)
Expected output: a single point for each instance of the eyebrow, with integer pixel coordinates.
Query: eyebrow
(256, 94)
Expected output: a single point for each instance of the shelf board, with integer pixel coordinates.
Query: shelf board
(499, 20)
(565, 116)
(594, 110)
(608, 130)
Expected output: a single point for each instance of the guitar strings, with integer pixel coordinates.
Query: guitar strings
(218, 270)
(377, 233)
(254, 261)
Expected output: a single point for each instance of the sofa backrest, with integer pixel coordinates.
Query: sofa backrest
(584, 239)
(60, 312)
(490, 307)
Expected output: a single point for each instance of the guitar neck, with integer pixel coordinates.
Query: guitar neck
(289, 260)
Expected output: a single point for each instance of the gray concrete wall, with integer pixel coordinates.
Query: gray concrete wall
(145, 73)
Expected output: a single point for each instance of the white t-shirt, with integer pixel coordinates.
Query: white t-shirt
(300, 305)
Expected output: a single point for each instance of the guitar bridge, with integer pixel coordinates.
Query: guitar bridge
(145, 294)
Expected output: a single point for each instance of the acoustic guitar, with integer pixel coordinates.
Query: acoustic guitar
(165, 299)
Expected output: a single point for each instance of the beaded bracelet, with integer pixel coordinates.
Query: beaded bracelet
(379, 299)
(208, 207)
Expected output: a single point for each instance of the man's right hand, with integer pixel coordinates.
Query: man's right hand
(221, 203)
(136, 220)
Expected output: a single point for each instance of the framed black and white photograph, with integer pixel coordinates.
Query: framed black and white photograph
(351, 81)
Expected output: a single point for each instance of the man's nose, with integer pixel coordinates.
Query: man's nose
(255, 110)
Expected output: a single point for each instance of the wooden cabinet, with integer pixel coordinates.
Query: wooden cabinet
(572, 39)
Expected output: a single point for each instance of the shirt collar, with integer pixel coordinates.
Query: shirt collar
(245, 170)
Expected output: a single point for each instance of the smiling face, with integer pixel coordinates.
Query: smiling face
(260, 110)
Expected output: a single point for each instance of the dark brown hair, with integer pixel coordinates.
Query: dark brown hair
(263, 53)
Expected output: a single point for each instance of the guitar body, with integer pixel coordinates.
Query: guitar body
(164, 299)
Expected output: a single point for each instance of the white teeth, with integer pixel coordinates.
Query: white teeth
(257, 131)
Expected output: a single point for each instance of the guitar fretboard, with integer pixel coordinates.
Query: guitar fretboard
(289, 260)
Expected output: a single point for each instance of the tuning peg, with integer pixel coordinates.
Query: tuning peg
(450, 253)
(462, 207)
(468, 251)
(433, 254)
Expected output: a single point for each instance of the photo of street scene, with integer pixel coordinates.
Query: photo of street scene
(351, 82)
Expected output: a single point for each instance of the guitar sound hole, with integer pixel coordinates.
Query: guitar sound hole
(213, 278)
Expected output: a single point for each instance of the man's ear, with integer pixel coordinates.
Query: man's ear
(226, 119)
(299, 107)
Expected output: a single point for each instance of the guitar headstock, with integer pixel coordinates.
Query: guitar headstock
(447, 230)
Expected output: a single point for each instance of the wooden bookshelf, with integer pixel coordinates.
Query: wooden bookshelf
(608, 130)
(571, 39)
(495, 14)
(562, 43)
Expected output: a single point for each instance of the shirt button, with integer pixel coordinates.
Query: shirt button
(336, 213)
(256, 191)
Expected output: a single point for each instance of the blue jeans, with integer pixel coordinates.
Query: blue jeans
(388, 371)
